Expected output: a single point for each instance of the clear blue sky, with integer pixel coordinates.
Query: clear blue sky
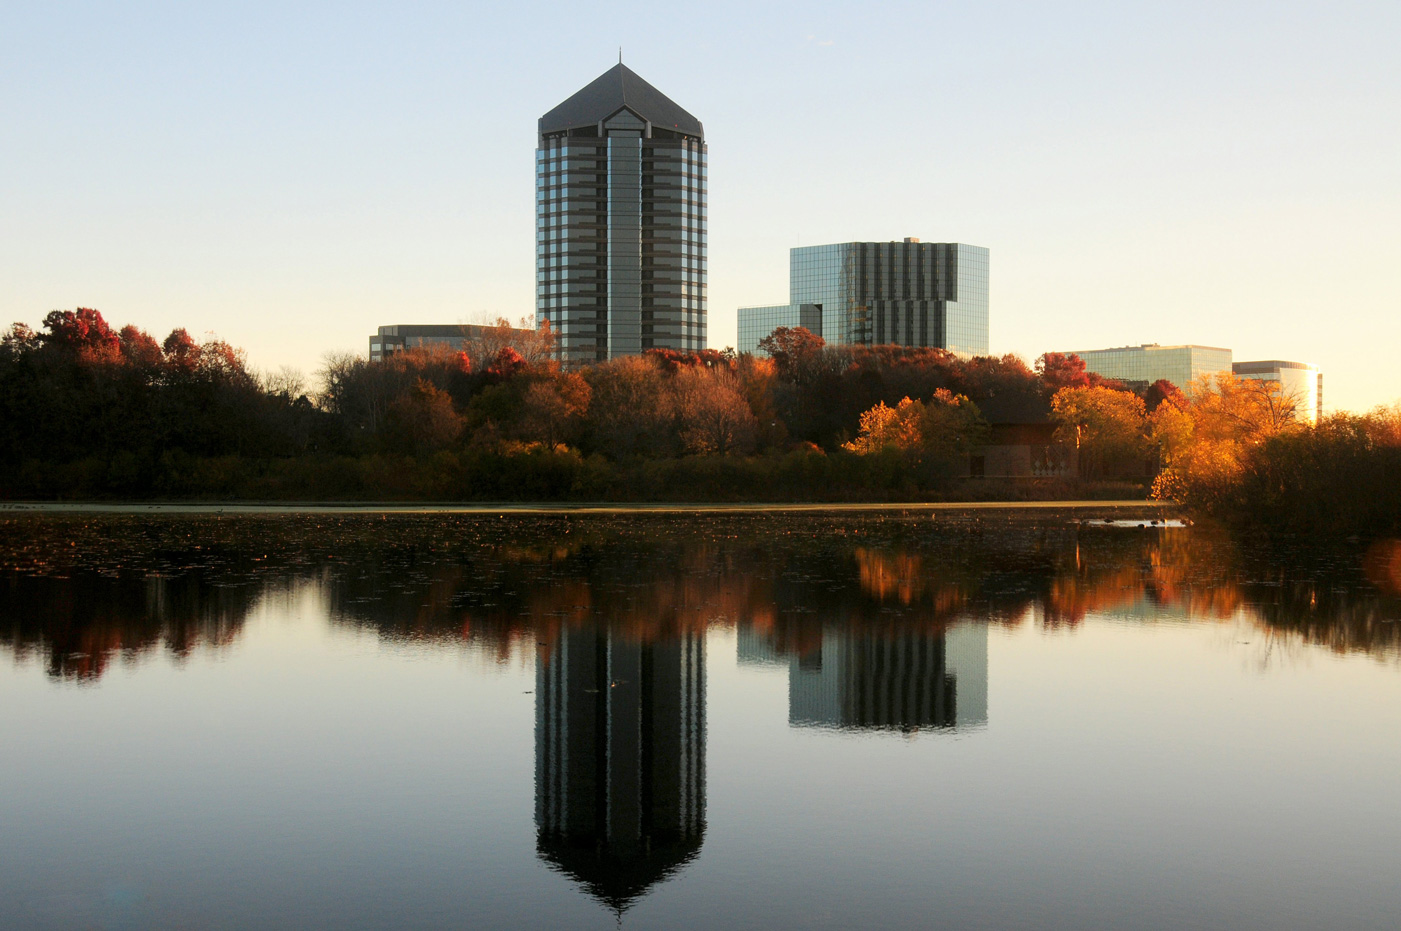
(290, 176)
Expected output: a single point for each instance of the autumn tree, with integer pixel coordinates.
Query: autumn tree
(81, 330)
(424, 419)
(1162, 392)
(933, 434)
(507, 363)
(534, 344)
(359, 392)
(888, 428)
(632, 409)
(951, 426)
(1210, 445)
(711, 412)
(1107, 428)
(554, 408)
(1062, 370)
(759, 383)
(181, 351)
(139, 348)
(1067, 370)
(795, 350)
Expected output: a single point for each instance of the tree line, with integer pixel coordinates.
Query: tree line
(89, 411)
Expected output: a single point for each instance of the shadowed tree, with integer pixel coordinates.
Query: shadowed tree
(795, 350)
(554, 408)
(632, 411)
(712, 413)
(424, 419)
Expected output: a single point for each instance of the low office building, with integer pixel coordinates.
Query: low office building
(1299, 380)
(863, 293)
(392, 339)
(1150, 362)
(914, 680)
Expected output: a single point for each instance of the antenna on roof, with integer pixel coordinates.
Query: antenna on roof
(620, 54)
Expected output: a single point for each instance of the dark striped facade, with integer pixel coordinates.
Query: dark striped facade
(620, 760)
(864, 681)
(907, 293)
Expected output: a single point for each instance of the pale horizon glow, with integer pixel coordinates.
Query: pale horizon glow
(291, 178)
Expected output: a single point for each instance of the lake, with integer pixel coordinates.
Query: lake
(710, 720)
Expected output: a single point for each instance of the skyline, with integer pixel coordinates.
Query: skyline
(291, 180)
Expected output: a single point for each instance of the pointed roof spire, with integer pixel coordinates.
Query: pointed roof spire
(615, 89)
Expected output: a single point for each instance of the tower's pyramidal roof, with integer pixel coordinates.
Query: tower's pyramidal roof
(613, 90)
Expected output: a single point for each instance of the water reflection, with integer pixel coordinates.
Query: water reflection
(907, 682)
(822, 592)
(619, 759)
(274, 771)
(80, 626)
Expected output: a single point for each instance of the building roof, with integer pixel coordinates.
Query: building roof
(1269, 365)
(611, 91)
(1146, 346)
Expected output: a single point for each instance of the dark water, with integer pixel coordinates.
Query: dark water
(699, 722)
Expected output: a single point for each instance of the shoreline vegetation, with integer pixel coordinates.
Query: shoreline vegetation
(1156, 512)
(89, 413)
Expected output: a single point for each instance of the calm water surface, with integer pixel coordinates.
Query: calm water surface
(693, 721)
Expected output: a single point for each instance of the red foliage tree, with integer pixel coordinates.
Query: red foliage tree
(1067, 370)
(506, 363)
(1163, 391)
(139, 348)
(181, 351)
(792, 348)
(81, 329)
(1062, 370)
(674, 360)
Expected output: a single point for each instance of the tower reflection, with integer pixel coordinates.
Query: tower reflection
(850, 677)
(619, 759)
(908, 681)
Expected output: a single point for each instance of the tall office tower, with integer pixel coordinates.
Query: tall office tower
(908, 293)
(620, 760)
(620, 221)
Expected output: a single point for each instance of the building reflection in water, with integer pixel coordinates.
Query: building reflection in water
(868, 680)
(619, 759)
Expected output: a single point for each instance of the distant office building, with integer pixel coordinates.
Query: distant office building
(392, 339)
(874, 681)
(909, 293)
(1299, 380)
(620, 760)
(620, 191)
(754, 648)
(1150, 362)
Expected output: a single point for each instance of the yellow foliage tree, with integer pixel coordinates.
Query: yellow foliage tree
(1107, 427)
(936, 431)
(1208, 446)
(888, 428)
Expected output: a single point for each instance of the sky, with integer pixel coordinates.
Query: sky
(290, 176)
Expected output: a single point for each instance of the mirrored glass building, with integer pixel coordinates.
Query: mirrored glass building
(620, 190)
(1150, 362)
(908, 293)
